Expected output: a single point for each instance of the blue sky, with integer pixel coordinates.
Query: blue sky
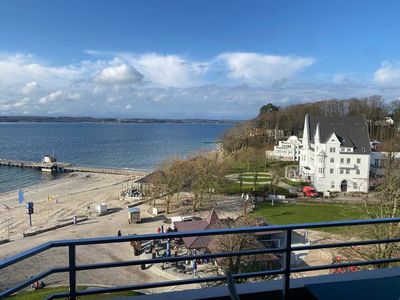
(184, 59)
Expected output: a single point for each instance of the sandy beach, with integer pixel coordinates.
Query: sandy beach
(73, 195)
(76, 194)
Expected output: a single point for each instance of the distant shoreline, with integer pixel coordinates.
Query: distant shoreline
(42, 119)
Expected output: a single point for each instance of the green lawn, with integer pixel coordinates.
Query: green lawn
(232, 188)
(308, 212)
(259, 179)
(43, 293)
(293, 183)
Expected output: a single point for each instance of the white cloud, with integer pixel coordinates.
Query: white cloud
(169, 70)
(20, 68)
(72, 96)
(30, 87)
(113, 99)
(120, 74)
(21, 103)
(388, 74)
(260, 69)
(59, 95)
(51, 97)
(229, 85)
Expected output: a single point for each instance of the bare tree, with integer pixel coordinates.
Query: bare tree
(385, 205)
(204, 178)
(237, 243)
(277, 173)
(172, 176)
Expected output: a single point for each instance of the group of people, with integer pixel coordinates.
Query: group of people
(167, 230)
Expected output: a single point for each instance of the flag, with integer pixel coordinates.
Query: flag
(21, 197)
(6, 207)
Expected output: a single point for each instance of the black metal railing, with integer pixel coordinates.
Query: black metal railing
(285, 271)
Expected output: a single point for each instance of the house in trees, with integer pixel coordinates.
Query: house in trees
(288, 150)
(335, 153)
(380, 160)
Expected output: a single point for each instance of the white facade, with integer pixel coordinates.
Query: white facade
(331, 166)
(288, 150)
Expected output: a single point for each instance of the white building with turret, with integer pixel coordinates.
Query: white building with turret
(335, 153)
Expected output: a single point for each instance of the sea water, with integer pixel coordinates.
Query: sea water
(136, 146)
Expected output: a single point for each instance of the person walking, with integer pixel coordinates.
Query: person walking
(194, 266)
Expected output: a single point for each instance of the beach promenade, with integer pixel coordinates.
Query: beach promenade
(107, 225)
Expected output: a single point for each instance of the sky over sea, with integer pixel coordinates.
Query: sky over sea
(192, 59)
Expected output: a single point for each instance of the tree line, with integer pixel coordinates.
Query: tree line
(273, 123)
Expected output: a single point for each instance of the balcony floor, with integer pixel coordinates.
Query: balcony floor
(365, 285)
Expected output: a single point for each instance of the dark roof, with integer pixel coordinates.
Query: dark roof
(198, 242)
(352, 131)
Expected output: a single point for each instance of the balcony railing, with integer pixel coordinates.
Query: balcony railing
(286, 270)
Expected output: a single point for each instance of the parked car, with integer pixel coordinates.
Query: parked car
(309, 191)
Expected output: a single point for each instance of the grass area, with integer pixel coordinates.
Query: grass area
(238, 166)
(252, 173)
(308, 212)
(259, 179)
(232, 188)
(242, 167)
(293, 183)
(43, 293)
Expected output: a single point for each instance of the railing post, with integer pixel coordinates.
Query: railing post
(286, 274)
(72, 272)
(231, 287)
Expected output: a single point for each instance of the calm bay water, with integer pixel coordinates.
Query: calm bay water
(137, 146)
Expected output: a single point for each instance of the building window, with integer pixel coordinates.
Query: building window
(342, 160)
(322, 159)
(376, 162)
(358, 172)
(321, 170)
(347, 171)
(358, 160)
(332, 150)
(348, 160)
(332, 184)
(331, 171)
(355, 186)
(332, 160)
(341, 171)
(342, 149)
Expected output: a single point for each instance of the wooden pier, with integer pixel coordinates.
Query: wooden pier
(61, 167)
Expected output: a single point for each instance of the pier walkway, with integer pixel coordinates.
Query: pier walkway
(62, 167)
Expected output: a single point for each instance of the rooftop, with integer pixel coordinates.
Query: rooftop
(352, 131)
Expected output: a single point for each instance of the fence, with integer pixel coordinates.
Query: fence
(286, 269)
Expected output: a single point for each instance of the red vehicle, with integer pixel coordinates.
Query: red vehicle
(309, 191)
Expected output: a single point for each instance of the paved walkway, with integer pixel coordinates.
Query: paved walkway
(107, 225)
